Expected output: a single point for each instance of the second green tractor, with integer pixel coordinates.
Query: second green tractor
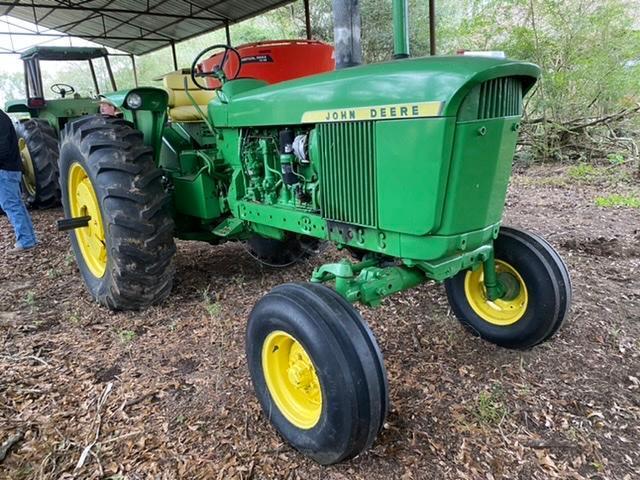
(42, 118)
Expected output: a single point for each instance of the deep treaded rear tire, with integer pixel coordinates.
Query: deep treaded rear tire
(138, 228)
(42, 141)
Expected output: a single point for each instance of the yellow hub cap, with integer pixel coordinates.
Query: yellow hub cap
(291, 379)
(29, 173)
(83, 202)
(503, 311)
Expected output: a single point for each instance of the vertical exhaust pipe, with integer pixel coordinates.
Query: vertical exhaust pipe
(400, 28)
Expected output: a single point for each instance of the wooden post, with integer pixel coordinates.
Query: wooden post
(346, 32)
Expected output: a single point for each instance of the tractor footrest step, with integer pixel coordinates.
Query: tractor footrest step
(230, 226)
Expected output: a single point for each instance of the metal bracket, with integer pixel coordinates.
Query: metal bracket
(368, 282)
(494, 287)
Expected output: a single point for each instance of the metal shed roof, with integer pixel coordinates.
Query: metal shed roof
(135, 26)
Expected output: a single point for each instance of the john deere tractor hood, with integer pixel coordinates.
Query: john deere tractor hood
(421, 87)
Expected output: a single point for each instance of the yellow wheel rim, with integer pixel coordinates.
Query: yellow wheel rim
(84, 202)
(29, 173)
(291, 379)
(502, 312)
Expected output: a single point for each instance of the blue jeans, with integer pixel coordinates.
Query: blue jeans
(12, 204)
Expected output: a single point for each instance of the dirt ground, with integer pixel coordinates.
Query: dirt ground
(166, 394)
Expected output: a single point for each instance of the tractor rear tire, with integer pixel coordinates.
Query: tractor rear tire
(125, 253)
(317, 371)
(541, 305)
(39, 149)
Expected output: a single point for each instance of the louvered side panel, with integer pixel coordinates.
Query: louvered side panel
(348, 173)
(501, 97)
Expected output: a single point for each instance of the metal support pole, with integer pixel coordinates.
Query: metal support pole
(27, 89)
(307, 19)
(95, 78)
(346, 32)
(400, 28)
(38, 92)
(432, 27)
(111, 77)
(174, 55)
(135, 70)
(227, 32)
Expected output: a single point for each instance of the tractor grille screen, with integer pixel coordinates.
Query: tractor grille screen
(348, 179)
(501, 97)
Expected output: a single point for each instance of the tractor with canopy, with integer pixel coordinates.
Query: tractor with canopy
(46, 113)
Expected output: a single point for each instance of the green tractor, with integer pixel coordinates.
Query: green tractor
(38, 134)
(405, 164)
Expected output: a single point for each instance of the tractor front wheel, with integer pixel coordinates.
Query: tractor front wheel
(38, 144)
(125, 252)
(317, 371)
(537, 299)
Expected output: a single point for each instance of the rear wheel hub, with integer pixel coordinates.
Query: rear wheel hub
(28, 171)
(84, 202)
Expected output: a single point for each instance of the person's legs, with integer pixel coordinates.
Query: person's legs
(11, 202)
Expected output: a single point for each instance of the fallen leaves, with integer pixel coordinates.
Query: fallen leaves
(181, 405)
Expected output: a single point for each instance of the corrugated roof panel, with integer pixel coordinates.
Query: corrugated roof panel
(125, 24)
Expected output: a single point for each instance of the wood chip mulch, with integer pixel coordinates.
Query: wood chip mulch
(87, 393)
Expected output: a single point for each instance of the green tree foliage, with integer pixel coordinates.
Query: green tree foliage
(589, 51)
(11, 86)
(585, 48)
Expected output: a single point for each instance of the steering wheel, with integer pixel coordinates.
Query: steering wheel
(218, 70)
(62, 89)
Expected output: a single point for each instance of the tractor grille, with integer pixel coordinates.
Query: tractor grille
(348, 180)
(501, 97)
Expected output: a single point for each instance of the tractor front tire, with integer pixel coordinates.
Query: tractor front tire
(108, 174)
(541, 293)
(38, 143)
(317, 371)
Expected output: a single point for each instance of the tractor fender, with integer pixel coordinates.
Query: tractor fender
(153, 99)
(17, 106)
(146, 109)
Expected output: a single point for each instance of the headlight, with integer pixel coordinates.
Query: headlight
(134, 101)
